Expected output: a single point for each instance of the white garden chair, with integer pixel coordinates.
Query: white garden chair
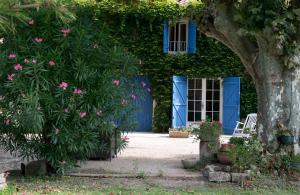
(245, 129)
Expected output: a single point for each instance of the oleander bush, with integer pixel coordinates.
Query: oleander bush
(64, 88)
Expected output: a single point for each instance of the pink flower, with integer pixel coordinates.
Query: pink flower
(38, 40)
(77, 91)
(63, 85)
(116, 82)
(34, 61)
(7, 122)
(124, 102)
(66, 31)
(125, 138)
(99, 113)
(11, 77)
(143, 84)
(133, 97)
(18, 67)
(82, 114)
(66, 110)
(31, 22)
(12, 56)
(51, 63)
(26, 61)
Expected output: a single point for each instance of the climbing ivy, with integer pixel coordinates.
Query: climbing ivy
(138, 27)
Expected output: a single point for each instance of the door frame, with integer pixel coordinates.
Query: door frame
(203, 101)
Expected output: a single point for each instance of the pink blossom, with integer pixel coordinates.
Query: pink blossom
(51, 62)
(34, 61)
(77, 91)
(31, 22)
(124, 102)
(133, 97)
(143, 84)
(26, 61)
(12, 56)
(66, 110)
(99, 113)
(125, 138)
(82, 114)
(7, 122)
(18, 67)
(116, 82)
(11, 77)
(63, 85)
(38, 40)
(66, 31)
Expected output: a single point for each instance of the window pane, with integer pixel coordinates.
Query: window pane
(216, 106)
(216, 116)
(208, 106)
(198, 106)
(198, 83)
(191, 105)
(209, 84)
(191, 84)
(198, 94)
(183, 32)
(216, 84)
(209, 95)
(177, 33)
(198, 116)
(216, 95)
(171, 34)
(190, 116)
(208, 116)
(191, 94)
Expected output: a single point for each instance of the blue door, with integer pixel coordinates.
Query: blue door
(231, 104)
(143, 107)
(179, 102)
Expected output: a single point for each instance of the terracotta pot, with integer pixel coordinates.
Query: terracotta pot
(227, 147)
(223, 158)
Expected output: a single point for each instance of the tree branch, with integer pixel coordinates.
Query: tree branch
(218, 22)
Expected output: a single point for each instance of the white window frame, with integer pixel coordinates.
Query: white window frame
(203, 110)
(183, 21)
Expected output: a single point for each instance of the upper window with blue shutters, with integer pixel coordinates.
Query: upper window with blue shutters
(178, 33)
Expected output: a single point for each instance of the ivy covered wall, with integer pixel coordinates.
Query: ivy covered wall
(139, 28)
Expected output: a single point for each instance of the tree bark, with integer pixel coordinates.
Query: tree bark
(277, 86)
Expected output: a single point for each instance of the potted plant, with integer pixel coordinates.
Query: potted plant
(208, 133)
(179, 132)
(223, 154)
(285, 136)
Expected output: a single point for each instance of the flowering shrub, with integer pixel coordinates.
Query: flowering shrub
(64, 87)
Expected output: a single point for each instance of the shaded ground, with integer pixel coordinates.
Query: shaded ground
(149, 154)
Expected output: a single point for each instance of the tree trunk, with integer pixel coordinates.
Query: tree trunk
(277, 86)
(278, 92)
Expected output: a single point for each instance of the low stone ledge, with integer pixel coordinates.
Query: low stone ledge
(219, 176)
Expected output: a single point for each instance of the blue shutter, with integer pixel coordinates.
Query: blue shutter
(179, 102)
(231, 104)
(192, 31)
(166, 36)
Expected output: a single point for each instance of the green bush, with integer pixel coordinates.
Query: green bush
(64, 88)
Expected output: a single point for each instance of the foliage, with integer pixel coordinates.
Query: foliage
(246, 154)
(65, 87)
(208, 131)
(237, 141)
(139, 28)
(282, 130)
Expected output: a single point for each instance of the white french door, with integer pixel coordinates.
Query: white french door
(204, 100)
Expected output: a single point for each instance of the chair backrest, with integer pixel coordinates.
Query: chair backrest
(250, 120)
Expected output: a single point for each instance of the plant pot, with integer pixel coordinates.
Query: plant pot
(223, 158)
(179, 134)
(189, 163)
(205, 150)
(286, 139)
(227, 147)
